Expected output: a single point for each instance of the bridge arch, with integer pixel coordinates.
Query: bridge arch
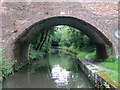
(24, 38)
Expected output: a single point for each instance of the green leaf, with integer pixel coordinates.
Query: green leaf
(14, 23)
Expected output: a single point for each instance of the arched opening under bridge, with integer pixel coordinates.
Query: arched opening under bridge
(22, 42)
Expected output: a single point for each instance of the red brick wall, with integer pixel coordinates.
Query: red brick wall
(102, 15)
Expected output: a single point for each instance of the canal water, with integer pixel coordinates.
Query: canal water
(57, 70)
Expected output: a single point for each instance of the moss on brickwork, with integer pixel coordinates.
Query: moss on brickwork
(104, 75)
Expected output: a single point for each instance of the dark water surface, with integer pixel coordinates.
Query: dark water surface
(56, 70)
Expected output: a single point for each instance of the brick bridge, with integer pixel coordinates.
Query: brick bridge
(98, 20)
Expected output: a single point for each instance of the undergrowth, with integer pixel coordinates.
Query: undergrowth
(6, 65)
(82, 54)
(92, 55)
(111, 63)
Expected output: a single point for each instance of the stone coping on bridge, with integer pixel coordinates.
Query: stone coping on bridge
(96, 75)
(29, 1)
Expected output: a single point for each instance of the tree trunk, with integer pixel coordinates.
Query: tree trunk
(43, 41)
(49, 38)
(40, 41)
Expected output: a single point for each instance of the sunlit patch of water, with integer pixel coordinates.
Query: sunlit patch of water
(60, 75)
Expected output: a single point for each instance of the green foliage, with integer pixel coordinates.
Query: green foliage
(71, 49)
(35, 42)
(111, 63)
(74, 40)
(71, 37)
(37, 65)
(112, 74)
(92, 55)
(82, 54)
(47, 12)
(36, 54)
(56, 37)
(100, 60)
(6, 65)
(64, 36)
(14, 23)
(112, 59)
(19, 67)
(15, 31)
(23, 5)
(1, 78)
(88, 44)
(33, 54)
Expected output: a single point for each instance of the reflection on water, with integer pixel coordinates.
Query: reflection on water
(56, 70)
(60, 75)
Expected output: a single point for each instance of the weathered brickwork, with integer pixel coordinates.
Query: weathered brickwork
(104, 9)
(101, 15)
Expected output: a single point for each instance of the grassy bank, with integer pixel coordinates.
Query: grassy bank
(82, 54)
(79, 54)
(111, 63)
(92, 55)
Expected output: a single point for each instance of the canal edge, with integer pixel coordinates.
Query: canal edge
(95, 78)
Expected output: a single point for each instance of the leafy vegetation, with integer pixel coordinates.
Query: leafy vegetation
(69, 39)
(112, 74)
(33, 54)
(14, 23)
(15, 31)
(5, 65)
(40, 45)
(82, 54)
(111, 63)
(73, 38)
(61, 36)
(38, 65)
(65, 37)
(47, 12)
(92, 55)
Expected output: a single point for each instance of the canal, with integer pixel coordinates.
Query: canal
(57, 69)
